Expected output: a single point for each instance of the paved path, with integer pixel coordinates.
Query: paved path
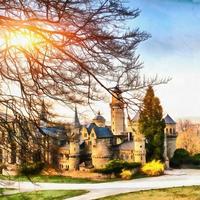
(174, 178)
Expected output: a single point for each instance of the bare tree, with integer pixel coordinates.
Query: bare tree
(69, 51)
(189, 139)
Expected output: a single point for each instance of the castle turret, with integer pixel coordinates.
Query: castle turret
(74, 145)
(117, 113)
(170, 137)
(74, 154)
(101, 138)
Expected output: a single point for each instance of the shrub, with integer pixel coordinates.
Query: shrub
(153, 168)
(116, 167)
(31, 168)
(126, 174)
(181, 156)
(196, 159)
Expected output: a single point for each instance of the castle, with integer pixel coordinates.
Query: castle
(92, 146)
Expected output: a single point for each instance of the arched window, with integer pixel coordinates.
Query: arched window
(170, 130)
(167, 130)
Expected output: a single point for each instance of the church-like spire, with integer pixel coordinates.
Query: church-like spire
(43, 114)
(76, 119)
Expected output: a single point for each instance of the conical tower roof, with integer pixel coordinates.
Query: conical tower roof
(169, 120)
(77, 123)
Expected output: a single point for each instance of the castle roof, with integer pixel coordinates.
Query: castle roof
(169, 120)
(128, 145)
(103, 132)
(52, 131)
(99, 117)
(90, 127)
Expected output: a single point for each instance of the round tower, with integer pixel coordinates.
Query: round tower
(117, 113)
(74, 155)
(101, 153)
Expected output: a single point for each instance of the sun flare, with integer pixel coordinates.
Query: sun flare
(22, 39)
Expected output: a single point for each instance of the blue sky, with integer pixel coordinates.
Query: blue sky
(172, 51)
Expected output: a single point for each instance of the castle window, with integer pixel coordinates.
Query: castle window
(66, 156)
(170, 130)
(167, 130)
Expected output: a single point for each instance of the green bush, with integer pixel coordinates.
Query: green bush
(180, 157)
(116, 167)
(31, 168)
(195, 159)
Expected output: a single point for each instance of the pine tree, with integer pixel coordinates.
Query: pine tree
(152, 125)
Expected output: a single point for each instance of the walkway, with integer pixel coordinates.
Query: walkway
(175, 178)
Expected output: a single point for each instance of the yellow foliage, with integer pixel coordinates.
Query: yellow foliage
(126, 174)
(153, 168)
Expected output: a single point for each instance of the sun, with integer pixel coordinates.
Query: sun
(23, 39)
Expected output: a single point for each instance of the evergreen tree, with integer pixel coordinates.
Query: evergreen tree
(152, 125)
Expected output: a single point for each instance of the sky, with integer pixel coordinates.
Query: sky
(172, 51)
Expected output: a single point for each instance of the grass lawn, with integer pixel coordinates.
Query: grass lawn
(181, 193)
(2, 190)
(44, 195)
(50, 179)
(61, 179)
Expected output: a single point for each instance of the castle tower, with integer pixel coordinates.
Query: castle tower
(170, 137)
(74, 154)
(74, 146)
(117, 113)
(101, 152)
(139, 139)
